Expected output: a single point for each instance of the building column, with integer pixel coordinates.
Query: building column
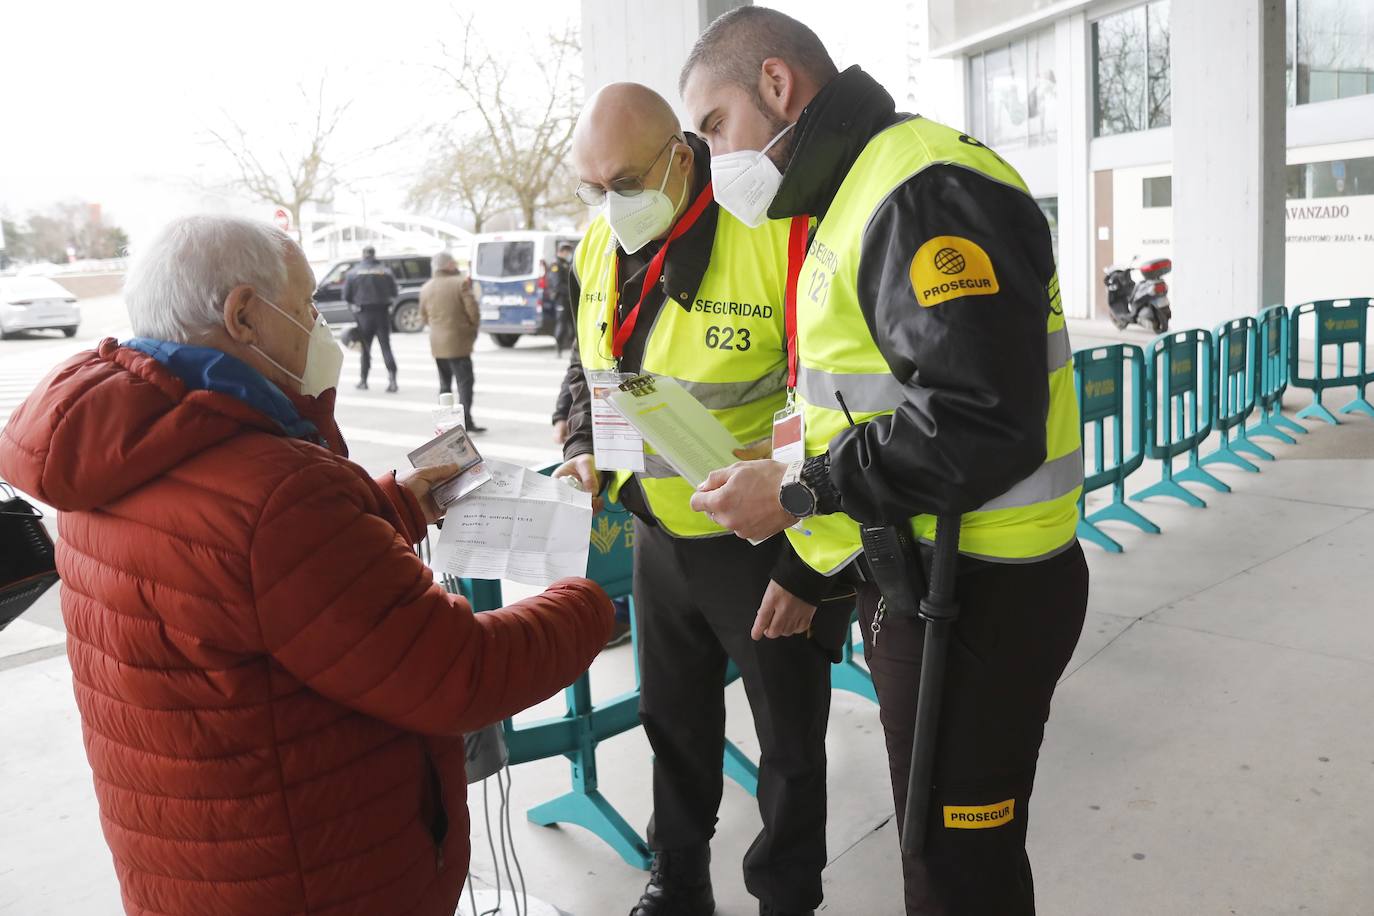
(1230, 140)
(644, 41)
(1076, 227)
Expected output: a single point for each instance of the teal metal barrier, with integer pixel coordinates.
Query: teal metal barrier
(1339, 323)
(1182, 406)
(1101, 375)
(1236, 392)
(1271, 370)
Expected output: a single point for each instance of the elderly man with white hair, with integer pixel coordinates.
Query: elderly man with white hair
(272, 687)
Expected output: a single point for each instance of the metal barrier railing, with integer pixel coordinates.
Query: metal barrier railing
(1109, 396)
(1340, 324)
(1182, 409)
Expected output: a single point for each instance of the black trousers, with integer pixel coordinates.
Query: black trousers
(1017, 628)
(696, 600)
(458, 369)
(375, 321)
(563, 333)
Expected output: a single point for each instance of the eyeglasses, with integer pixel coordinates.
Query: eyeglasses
(594, 195)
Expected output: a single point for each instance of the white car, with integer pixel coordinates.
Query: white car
(32, 303)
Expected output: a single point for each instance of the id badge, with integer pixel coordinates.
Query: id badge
(616, 445)
(789, 435)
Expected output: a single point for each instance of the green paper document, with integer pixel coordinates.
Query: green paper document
(680, 429)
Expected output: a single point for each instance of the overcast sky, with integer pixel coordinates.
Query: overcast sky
(109, 102)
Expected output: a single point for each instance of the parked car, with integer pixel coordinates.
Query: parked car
(510, 268)
(411, 271)
(35, 303)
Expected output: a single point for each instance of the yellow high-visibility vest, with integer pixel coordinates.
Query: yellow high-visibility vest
(1038, 516)
(726, 346)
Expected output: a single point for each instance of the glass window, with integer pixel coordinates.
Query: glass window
(1013, 94)
(1159, 192)
(1332, 42)
(337, 274)
(1157, 64)
(1336, 178)
(1131, 70)
(496, 260)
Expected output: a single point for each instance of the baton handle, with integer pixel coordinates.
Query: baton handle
(939, 610)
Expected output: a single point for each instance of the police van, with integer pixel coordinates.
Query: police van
(510, 269)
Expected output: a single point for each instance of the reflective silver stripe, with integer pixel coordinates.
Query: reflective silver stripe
(1051, 480)
(868, 393)
(1058, 348)
(656, 467)
(724, 395)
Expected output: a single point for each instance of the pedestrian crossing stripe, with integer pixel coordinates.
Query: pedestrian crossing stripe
(980, 817)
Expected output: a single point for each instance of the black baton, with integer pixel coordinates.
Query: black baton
(939, 610)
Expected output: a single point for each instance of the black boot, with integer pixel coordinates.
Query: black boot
(362, 384)
(391, 383)
(767, 909)
(679, 885)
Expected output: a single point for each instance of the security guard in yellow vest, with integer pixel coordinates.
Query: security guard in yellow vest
(930, 314)
(665, 283)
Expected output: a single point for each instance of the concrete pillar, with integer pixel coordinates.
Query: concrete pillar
(1076, 229)
(645, 41)
(1229, 138)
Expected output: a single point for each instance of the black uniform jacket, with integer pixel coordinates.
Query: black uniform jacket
(369, 283)
(974, 367)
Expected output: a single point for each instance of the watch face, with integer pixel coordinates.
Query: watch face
(797, 499)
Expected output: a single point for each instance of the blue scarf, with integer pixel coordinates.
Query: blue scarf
(207, 369)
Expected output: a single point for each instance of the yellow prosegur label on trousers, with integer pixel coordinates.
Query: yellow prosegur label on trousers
(979, 817)
(949, 267)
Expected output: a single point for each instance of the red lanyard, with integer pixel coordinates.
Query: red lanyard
(796, 254)
(620, 333)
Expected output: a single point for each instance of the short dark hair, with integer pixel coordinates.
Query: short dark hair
(735, 45)
(369, 251)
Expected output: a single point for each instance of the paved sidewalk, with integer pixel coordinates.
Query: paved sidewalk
(1211, 749)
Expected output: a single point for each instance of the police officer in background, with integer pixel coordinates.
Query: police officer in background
(663, 282)
(369, 290)
(930, 309)
(556, 294)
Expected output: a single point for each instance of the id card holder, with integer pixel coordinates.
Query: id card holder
(789, 434)
(616, 445)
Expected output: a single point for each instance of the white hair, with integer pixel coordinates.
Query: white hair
(178, 283)
(442, 261)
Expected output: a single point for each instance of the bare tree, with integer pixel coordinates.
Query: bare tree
(525, 124)
(288, 178)
(464, 175)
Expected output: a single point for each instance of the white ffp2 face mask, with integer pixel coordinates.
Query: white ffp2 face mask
(746, 181)
(638, 220)
(323, 356)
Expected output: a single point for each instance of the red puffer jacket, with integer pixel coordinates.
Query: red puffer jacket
(272, 688)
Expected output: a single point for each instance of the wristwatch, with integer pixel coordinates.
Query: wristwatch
(795, 495)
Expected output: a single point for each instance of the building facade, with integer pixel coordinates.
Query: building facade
(1261, 110)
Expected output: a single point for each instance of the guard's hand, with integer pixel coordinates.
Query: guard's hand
(781, 614)
(560, 432)
(744, 498)
(756, 450)
(421, 482)
(583, 467)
